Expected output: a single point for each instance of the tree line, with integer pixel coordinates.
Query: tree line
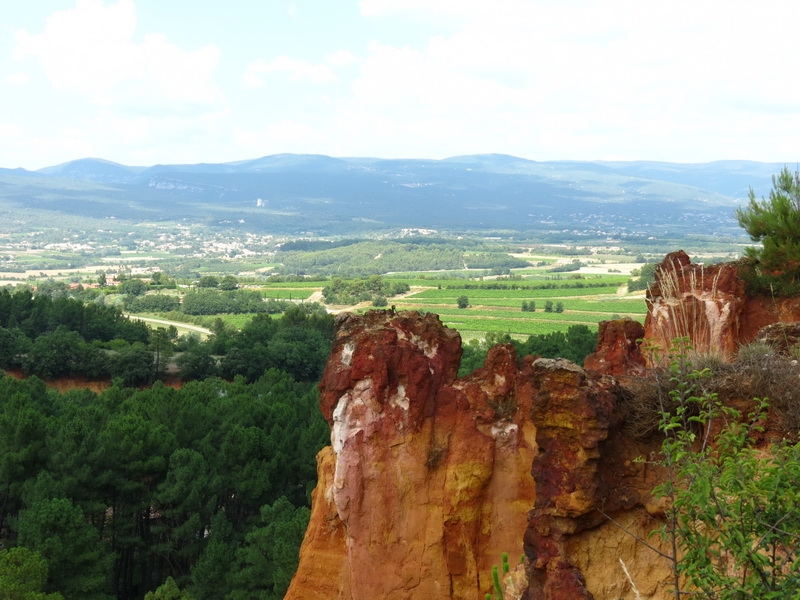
(61, 337)
(366, 258)
(207, 301)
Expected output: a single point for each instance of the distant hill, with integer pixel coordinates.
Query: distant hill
(328, 196)
(93, 169)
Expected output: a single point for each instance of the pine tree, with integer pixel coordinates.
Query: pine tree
(776, 224)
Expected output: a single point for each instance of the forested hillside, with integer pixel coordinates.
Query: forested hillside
(107, 496)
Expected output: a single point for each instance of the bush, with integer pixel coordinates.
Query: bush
(731, 517)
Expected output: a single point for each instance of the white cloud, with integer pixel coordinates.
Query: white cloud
(10, 130)
(583, 79)
(382, 8)
(181, 75)
(341, 58)
(299, 70)
(17, 79)
(90, 49)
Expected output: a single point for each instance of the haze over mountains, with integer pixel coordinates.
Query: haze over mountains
(327, 196)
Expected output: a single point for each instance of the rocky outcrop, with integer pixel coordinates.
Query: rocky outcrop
(618, 349)
(703, 303)
(708, 305)
(420, 491)
(429, 478)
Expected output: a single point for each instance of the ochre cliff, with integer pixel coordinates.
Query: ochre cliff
(429, 478)
(419, 493)
(708, 304)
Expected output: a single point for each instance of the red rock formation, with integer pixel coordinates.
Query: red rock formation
(695, 301)
(708, 305)
(618, 349)
(420, 492)
(428, 479)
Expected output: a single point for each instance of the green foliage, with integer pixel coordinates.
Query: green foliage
(496, 583)
(196, 362)
(23, 575)
(132, 287)
(206, 301)
(168, 590)
(13, 347)
(152, 303)
(548, 306)
(267, 561)
(365, 258)
(462, 302)
(498, 588)
(474, 353)
(37, 316)
(775, 223)
(575, 344)
(228, 283)
(732, 521)
(575, 265)
(298, 342)
(643, 277)
(55, 354)
(159, 279)
(353, 291)
(208, 281)
(133, 365)
(78, 564)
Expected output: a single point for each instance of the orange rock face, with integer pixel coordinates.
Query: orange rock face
(694, 301)
(708, 305)
(429, 478)
(420, 491)
(618, 349)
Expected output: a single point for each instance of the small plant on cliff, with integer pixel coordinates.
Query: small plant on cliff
(732, 525)
(498, 586)
(775, 223)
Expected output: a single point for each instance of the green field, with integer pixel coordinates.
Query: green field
(500, 310)
(292, 293)
(601, 297)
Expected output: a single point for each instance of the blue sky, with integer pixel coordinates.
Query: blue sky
(166, 81)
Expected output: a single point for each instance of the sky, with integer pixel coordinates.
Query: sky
(143, 82)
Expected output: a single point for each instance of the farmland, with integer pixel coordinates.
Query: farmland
(551, 289)
(496, 305)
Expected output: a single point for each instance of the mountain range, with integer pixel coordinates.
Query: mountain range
(320, 195)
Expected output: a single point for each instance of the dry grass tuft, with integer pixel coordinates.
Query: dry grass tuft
(758, 371)
(689, 305)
